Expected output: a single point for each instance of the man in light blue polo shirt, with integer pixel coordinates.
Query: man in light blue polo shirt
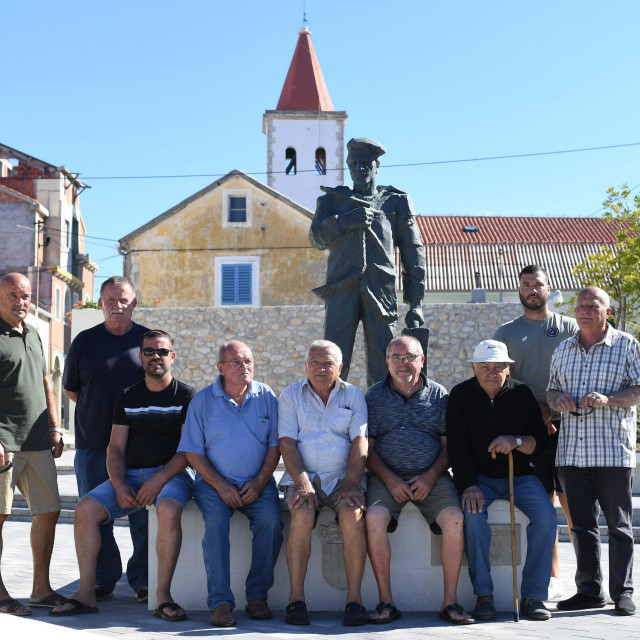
(230, 437)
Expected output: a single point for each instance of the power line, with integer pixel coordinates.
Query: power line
(386, 166)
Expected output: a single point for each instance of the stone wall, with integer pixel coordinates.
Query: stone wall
(279, 336)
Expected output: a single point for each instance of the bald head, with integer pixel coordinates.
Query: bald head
(15, 298)
(595, 292)
(592, 311)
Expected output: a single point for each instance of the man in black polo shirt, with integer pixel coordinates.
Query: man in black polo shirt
(144, 469)
(101, 362)
(29, 434)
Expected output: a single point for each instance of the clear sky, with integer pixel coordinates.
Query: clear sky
(156, 87)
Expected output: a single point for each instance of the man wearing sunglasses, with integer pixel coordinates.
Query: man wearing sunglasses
(101, 362)
(144, 470)
(595, 382)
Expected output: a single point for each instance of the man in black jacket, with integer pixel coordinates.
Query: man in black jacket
(490, 413)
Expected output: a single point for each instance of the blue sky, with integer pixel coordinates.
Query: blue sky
(155, 88)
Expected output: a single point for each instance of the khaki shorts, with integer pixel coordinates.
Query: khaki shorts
(34, 473)
(444, 494)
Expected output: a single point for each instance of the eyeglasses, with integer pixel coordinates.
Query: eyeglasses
(163, 352)
(406, 357)
(239, 364)
(582, 413)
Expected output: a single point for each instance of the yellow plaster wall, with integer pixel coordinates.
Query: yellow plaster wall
(180, 270)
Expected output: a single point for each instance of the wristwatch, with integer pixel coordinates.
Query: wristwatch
(518, 440)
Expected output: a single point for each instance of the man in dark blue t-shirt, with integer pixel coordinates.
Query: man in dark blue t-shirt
(144, 469)
(101, 362)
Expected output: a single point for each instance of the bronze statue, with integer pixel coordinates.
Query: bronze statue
(361, 228)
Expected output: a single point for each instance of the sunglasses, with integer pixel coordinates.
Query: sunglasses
(582, 413)
(162, 352)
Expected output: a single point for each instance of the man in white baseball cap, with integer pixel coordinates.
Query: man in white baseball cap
(492, 413)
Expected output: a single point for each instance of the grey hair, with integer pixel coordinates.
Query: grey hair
(324, 344)
(117, 281)
(400, 338)
(223, 349)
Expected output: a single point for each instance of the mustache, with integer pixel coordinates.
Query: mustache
(20, 307)
(117, 311)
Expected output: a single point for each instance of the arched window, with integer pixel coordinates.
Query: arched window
(321, 161)
(290, 155)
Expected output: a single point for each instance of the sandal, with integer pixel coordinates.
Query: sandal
(54, 600)
(355, 615)
(12, 608)
(446, 614)
(297, 613)
(390, 608)
(79, 608)
(158, 612)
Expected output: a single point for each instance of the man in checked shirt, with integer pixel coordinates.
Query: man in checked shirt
(595, 382)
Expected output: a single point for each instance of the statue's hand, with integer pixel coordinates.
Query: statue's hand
(414, 318)
(358, 218)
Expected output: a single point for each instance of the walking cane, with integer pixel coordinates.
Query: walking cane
(512, 518)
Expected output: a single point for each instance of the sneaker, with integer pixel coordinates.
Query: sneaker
(484, 608)
(103, 594)
(579, 601)
(142, 594)
(625, 606)
(534, 609)
(555, 589)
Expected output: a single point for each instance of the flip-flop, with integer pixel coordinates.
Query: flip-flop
(78, 609)
(159, 612)
(12, 608)
(54, 600)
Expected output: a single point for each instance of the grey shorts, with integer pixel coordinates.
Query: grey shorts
(444, 494)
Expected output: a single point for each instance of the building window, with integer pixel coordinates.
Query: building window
(236, 208)
(290, 155)
(237, 280)
(58, 304)
(67, 233)
(321, 161)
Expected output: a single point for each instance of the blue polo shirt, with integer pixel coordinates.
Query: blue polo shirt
(234, 439)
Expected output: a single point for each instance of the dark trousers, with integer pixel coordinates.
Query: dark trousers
(584, 488)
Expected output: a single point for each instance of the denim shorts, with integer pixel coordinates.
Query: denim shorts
(179, 488)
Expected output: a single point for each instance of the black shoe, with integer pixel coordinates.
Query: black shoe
(625, 606)
(534, 609)
(355, 615)
(102, 594)
(580, 601)
(142, 594)
(297, 613)
(484, 608)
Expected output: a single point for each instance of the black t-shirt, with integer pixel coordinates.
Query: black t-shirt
(99, 365)
(154, 419)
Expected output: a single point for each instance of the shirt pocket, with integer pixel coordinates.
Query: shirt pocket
(339, 421)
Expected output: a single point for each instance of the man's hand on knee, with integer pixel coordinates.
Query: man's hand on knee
(304, 498)
(351, 494)
(126, 497)
(149, 491)
(229, 494)
(472, 499)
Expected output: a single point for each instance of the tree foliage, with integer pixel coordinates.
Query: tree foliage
(617, 269)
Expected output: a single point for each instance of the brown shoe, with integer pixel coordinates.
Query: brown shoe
(259, 609)
(222, 616)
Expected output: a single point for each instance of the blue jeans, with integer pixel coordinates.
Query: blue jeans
(531, 498)
(91, 471)
(266, 526)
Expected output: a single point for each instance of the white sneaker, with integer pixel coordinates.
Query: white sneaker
(555, 589)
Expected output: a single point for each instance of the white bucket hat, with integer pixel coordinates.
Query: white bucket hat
(491, 351)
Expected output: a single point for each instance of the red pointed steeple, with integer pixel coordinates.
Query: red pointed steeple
(304, 88)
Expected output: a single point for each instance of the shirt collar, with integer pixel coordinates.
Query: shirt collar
(422, 389)
(217, 390)
(609, 337)
(5, 327)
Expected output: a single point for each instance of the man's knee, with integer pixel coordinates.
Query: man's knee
(169, 512)
(377, 519)
(303, 520)
(89, 511)
(351, 518)
(450, 520)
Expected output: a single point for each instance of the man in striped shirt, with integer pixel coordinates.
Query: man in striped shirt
(595, 382)
(144, 470)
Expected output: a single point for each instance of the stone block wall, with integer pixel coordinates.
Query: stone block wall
(278, 337)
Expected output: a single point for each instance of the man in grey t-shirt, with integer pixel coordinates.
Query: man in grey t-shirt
(408, 462)
(531, 340)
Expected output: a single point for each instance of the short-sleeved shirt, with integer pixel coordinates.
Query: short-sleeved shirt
(234, 439)
(531, 344)
(24, 425)
(155, 420)
(605, 437)
(324, 433)
(407, 431)
(98, 366)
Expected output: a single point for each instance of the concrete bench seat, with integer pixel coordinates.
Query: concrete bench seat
(416, 571)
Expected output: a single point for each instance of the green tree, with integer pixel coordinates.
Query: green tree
(617, 269)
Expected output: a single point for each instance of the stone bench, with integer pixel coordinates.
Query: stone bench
(416, 570)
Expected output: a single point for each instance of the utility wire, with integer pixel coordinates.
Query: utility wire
(386, 166)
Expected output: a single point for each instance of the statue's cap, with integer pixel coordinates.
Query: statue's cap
(364, 149)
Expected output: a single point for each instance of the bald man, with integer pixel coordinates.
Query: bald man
(594, 382)
(30, 438)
